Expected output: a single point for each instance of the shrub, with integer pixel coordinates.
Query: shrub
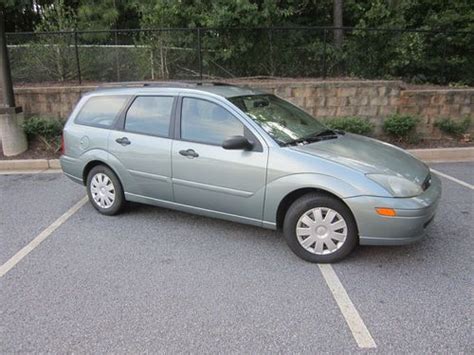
(355, 125)
(47, 130)
(401, 127)
(453, 128)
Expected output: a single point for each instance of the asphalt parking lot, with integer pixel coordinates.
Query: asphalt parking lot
(157, 280)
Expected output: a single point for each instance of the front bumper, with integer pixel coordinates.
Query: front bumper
(413, 216)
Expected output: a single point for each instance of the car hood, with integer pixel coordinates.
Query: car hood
(368, 156)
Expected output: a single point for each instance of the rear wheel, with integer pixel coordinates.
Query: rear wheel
(104, 190)
(320, 228)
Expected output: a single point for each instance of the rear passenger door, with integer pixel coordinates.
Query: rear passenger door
(142, 145)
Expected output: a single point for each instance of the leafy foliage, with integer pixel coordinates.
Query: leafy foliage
(47, 57)
(452, 127)
(355, 125)
(47, 130)
(400, 127)
(233, 47)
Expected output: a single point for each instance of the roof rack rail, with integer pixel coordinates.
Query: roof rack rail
(168, 83)
(214, 83)
(184, 84)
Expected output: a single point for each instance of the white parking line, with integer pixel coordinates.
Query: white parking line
(460, 182)
(359, 331)
(15, 259)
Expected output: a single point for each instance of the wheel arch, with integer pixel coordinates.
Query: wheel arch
(93, 163)
(291, 197)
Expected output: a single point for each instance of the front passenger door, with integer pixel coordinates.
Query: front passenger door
(207, 176)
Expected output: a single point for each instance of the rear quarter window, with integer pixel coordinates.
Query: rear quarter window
(101, 111)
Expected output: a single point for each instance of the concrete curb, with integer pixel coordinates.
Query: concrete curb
(444, 155)
(54, 164)
(29, 164)
(436, 155)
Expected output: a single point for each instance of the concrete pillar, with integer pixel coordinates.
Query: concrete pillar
(12, 137)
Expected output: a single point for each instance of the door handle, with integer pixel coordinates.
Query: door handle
(123, 141)
(190, 153)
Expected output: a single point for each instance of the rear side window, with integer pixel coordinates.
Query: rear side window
(101, 111)
(150, 115)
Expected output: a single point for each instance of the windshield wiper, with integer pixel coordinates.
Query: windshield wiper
(325, 133)
(315, 137)
(294, 142)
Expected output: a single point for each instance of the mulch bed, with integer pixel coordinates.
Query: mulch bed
(36, 150)
(430, 143)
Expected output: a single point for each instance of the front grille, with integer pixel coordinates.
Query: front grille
(427, 183)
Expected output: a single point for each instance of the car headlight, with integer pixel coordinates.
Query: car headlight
(397, 186)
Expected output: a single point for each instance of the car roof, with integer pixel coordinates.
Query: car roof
(220, 89)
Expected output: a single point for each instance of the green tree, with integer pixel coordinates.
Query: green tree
(55, 54)
(415, 56)
(107, 14)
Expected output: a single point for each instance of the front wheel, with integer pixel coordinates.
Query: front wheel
(104, 190)
(320, 228)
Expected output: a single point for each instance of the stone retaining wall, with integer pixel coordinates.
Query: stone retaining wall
(431, 105)
(373, 100)
(54, 102)
(325, 99)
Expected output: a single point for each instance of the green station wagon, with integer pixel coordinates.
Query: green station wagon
(246, 156)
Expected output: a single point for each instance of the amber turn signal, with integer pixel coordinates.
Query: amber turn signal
(390, 212)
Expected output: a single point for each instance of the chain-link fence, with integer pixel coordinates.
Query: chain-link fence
(205, 53)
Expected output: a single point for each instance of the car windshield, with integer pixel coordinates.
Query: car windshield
(284, 122)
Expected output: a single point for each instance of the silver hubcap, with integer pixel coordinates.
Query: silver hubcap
(321, 231)
(102, 190)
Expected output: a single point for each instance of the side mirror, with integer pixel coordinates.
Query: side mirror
(237, 142)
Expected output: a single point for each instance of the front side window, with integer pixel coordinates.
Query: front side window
(101, 111)
(206, 122)
(283, 121)
(150, 115)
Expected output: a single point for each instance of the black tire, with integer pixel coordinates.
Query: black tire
(303, 205)
(119, 199)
